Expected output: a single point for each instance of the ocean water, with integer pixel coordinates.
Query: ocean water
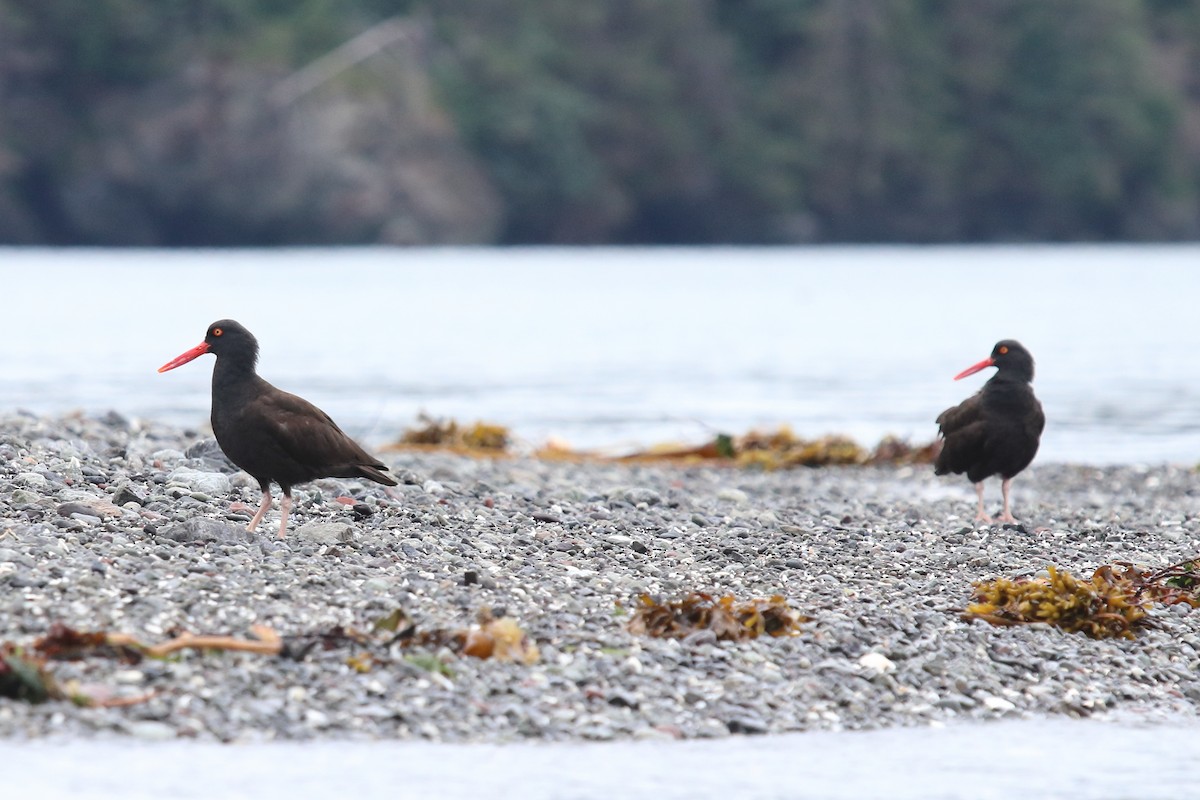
(621, 347)
(1044, 759)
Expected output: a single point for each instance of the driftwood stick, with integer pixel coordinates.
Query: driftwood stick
(268, 643)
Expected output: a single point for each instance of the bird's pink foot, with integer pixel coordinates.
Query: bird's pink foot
(262, 510)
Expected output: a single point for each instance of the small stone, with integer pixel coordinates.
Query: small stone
(622, 699)
(32, 479)
(748, 724)
(203, 529)
(733, 496)
(209, 483)
(325, 533)
(998, 704)
(637, 495)
(126, 495)
(151, 731)
(24, 497)
(877, 662)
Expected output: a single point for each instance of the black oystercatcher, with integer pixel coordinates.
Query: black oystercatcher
(271, 434)
(996, 430)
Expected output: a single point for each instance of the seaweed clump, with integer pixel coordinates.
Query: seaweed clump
(727, 618)
(782, 449)
(1107, 606)
(23, 676)
(499, 638)
(1178, 583)
(430, 433)
(767, 450)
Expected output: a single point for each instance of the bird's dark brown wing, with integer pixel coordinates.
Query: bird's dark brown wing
(313, 440)
(966, 413)
(965, 435)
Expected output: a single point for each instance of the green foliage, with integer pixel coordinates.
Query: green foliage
(601, 120)
(703, 120)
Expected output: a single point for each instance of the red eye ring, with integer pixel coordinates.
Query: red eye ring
(217, 331)
(1003, 349)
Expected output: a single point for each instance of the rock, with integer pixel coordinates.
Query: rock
(877, 662)
(24, 497)
(204, 529)
(151, 731)
(733, 496)
(126, 495)
(325, 533)
(10, 555)
(623, 699)
(747, 723)
(638, 495)
(92, 508)
(208, 451)
(209, 483)
(32, 479)
(999, 704)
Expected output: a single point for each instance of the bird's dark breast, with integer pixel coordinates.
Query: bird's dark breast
(247, 443)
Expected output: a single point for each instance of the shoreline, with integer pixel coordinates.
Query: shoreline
(881, 559)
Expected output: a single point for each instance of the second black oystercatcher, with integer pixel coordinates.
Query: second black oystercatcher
(996, 431)
(269, 433)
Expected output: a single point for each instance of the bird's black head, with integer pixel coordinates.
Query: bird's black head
(1009, 357)
(227, 340)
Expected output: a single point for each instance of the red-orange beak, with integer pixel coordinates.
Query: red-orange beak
(987, 362)
(180, 360)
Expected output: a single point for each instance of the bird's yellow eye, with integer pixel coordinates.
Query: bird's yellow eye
(217, 331)
(1003, 348)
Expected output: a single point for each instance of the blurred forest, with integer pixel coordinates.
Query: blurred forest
(260, 122)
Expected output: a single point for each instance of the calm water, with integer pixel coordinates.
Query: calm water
(619, 347)
(1079, 760)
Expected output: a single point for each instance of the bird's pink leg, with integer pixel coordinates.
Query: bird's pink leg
(262, 509)
(285, 505)
(1006, 515)
(980, 514)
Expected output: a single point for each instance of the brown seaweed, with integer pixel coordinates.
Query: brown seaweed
(1104, 607)
(727, 618)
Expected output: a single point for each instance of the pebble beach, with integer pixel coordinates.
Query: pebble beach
(119, 525)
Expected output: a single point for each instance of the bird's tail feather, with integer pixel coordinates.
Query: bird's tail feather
(373, 473)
